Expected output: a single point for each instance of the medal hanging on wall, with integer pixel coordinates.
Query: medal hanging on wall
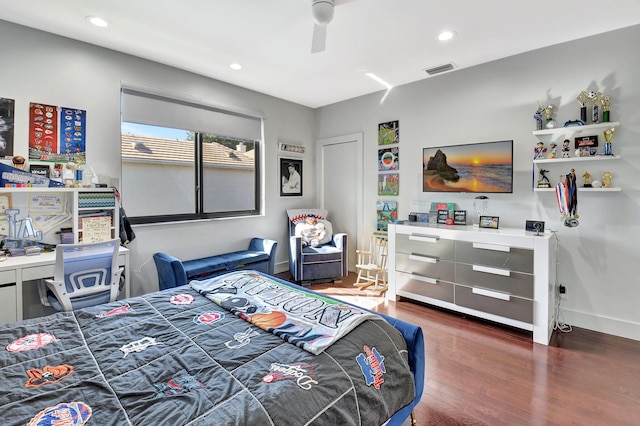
(567, 197)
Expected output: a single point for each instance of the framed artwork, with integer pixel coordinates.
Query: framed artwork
(387, 212)
(438, 205)
(388, 183)
(7, 111)
(290, 177)
(389, 133)
(443, 216)
(388, 159)
(489, 222)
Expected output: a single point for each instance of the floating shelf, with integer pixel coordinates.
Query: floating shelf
(575, 129)
(580, 189)
(574, 159)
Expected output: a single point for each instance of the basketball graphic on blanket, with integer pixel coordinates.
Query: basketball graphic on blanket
(271, 320)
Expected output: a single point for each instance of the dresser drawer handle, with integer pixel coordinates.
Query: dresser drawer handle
(424, 259)
(489, 293)
(494, 247)
(427, 280)
(495, 271)
(424, 238)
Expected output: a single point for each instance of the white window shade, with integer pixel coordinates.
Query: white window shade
(157, 110)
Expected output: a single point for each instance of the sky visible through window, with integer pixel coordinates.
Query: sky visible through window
(153, 131)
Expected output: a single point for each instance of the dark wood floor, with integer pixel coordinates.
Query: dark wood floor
(479, 373)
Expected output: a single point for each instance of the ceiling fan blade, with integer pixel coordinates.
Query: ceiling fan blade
(319, 38)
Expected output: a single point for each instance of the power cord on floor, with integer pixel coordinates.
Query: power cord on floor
(558, 317)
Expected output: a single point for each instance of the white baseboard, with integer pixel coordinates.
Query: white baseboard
(614, 326)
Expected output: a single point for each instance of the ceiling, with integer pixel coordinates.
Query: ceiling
(271, 39)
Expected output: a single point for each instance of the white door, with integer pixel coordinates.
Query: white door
(341, 187)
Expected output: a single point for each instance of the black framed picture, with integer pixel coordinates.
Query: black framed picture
(443, 215)
(290, 177)
(489, 222)
(459, 217)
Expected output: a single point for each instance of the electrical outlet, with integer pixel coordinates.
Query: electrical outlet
(562, 291)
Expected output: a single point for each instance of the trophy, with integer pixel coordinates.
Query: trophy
(606, 179)
(582, 100)
(594, 98)
(538, 117)
(543, 182)
(608, 135)
(548, 111)
(606, 105)
(586, 178)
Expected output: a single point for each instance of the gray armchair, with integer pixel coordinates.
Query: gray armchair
(312, 258)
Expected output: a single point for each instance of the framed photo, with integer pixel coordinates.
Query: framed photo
(290, 177)
(43, 170)
(489, 222)
(443, 215)
(459, 217)
(587, 142)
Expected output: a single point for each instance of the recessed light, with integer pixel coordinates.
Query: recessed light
(446, 35)
(235, 66)
(97, 21)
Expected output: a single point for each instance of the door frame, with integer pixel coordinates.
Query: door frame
(359, 184)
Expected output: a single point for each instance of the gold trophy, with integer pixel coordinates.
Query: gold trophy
(608, 135)
(606, 105)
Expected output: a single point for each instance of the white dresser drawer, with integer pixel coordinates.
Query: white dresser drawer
(499, 279)
(425, 244)
(425, 265)
(494, 302)
(500, 256)
(8, 303)
(424, 286)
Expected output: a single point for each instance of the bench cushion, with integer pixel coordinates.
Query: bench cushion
(221, 262)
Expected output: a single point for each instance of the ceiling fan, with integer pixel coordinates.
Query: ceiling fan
(322, 13)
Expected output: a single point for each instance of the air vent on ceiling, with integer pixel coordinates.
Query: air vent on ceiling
(439, 69)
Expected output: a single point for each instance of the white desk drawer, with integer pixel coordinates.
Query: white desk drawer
(8, 304)
(38, 272)
(8, 277)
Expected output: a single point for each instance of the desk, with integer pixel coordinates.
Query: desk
(16, 270)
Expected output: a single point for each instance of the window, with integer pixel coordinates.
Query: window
(185, 161)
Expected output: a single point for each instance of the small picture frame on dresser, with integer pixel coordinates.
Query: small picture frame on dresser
(443, 215)
(489, 222)
(459, 217)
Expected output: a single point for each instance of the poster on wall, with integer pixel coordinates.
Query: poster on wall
(388, 159)
(388, 183)
(57, 133)
(387, 212)
(7, 112)
(389, 133)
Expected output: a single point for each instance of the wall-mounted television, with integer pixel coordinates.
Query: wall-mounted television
(478, 167)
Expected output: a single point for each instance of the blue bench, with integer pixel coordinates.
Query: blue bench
(173, 272)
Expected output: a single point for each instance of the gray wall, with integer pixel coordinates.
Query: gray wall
(40, 67)
(598, 260)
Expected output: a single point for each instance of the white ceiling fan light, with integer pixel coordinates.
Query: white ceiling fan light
(322, 13)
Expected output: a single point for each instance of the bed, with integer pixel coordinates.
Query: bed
(244, 348)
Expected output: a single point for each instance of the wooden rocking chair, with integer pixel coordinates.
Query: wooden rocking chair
(372, 264)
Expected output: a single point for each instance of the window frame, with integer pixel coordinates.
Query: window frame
(199, 174)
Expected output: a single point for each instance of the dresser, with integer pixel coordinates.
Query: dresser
(502, 275)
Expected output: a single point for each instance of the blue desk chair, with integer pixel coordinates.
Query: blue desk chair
(85, 275)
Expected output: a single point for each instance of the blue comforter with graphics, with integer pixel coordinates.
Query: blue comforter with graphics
(176, 358)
